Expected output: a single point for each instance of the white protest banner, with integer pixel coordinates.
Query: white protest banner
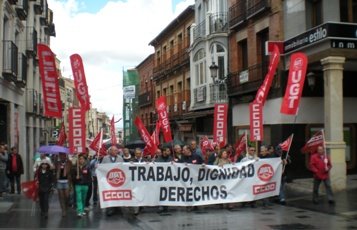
(156, 184)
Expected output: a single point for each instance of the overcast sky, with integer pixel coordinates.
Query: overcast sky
(110, 36)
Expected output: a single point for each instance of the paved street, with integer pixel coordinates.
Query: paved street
(17, 212)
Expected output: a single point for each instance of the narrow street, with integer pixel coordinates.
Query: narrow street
(17, 212)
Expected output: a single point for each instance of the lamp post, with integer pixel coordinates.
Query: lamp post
(214, 72)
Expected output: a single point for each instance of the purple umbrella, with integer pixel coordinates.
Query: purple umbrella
(53, 149)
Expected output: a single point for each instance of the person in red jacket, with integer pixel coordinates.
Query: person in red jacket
(320, 165)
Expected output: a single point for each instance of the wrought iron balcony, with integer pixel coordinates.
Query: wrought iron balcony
(218, 93)
(31, 41)
(218, 23)
(50, 30)
(145, 99)
(22, 72)
(12, 2)
(238, 84)
(200, 30)
(10, 60)
(22, 8)
(200, 94)
(243, 10)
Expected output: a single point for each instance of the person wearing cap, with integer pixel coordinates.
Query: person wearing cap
(45, 179)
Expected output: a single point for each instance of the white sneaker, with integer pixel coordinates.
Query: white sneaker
(84, 214)
(79, 214)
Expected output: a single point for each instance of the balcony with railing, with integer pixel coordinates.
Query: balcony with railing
(248, 80)
(31, 40)
(145, 99)
(10, 60)
(243, 10)
(32, 101)
(22, 7)
(200, 94)
(199, 30)
(178, 103)
(174, 60)
(39, 7)
(22, 71)
(218, 93)
(218, 23)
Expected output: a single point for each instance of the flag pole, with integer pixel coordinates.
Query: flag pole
(324, 144)
(246, 143)
(287, 153)
(100, 142)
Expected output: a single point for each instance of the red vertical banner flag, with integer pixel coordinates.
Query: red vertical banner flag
(80, 81)
(76, 130)
(240, 146)
(62, 135)
(220, 124)
(112, 132)
(285, 146)
(150, 145)
(49, 79)
(164, 118)
(263, 91)
(256, 121)
(297, 75)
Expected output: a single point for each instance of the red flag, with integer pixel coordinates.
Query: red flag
(297, 73)
(205, 145)
(97, 145)
(76, 130)
(316, 140)
(285, 146)
(80, 81)
(49, 79)
(112, 132)
(155, 135)
(241, 146)
(62, 135)
(263, 91)
(256, 121)
(164, 118)
(30, 189)
(151, 147)
(220, 124)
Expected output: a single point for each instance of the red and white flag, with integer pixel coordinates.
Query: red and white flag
(113, 137)
(315, 141)
(240, 146)
(205, 144)
(263, 91)
(150, 145)
(80, 81)
(164, 118)
(297, 73)
(220, 124)
(285, 146)
(97, 144)
(76, 130)
(62, 135)
(256, 121)
(156, 134)
(49, 79)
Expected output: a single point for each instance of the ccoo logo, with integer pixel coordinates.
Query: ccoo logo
(116, 177)
(265, 172)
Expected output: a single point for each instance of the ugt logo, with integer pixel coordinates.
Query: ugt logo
(116, 177)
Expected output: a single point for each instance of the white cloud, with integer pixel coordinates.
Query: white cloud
(114, 38)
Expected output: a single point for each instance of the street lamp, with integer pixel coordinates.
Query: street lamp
(311, 80)
(214, 71)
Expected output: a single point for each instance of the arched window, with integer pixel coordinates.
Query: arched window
(199, 63)
(219, 55)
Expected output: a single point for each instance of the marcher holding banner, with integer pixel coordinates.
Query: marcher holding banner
(190, 157)
(318, 162)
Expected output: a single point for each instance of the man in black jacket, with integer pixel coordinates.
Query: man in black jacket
(15, 169)
(189, 157)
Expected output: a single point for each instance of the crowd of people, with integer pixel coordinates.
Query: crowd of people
(74, 177)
